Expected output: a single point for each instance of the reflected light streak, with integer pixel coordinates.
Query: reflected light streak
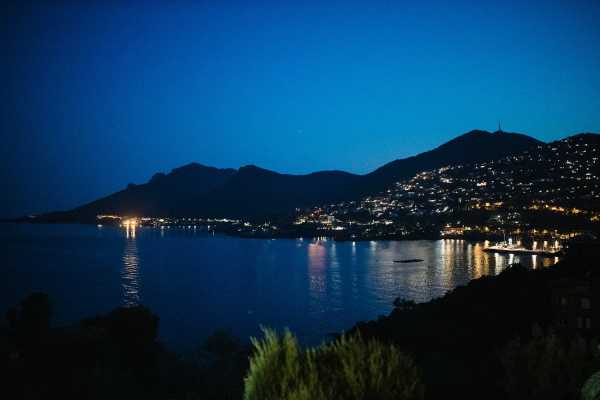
(477, 259)
(130, 284)
(316, 270)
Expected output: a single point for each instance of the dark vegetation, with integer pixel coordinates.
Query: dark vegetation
(348, 368)
(499, 337)
(496, 338)
(114, 356)
(252, 192)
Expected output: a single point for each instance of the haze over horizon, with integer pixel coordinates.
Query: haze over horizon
(99, 95)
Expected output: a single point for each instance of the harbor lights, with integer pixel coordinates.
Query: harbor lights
(130, 224)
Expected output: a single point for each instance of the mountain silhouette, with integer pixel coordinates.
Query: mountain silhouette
(473, 146)
(254, 192)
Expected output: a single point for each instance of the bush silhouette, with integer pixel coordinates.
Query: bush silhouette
(548, 366)
(30, 321)
(591, 388)
(349, 368)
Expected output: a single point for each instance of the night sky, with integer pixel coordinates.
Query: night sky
(97, 96)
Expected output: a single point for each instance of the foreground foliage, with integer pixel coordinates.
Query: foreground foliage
(461, 340)
(591, 389)
(548, 366)
(483, 340)
(112, 356)
(349, 368)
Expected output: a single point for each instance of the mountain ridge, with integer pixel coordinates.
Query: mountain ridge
(496, 147)
(254, 192)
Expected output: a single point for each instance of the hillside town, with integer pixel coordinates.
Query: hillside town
(550, 192)
(553, 189)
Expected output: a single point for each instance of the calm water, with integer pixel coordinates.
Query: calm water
(198, 283)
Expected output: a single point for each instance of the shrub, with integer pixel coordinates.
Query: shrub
(591, 389)
(30, 322)
(349, 368)
(547, 367)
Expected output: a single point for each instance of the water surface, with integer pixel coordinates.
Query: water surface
(198, 283)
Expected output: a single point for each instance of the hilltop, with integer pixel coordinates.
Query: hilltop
(256, 193)
(554, 187)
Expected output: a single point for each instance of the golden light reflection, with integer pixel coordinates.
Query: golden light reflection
(497, 262)
(447, 257)
(130, 224)
(130, 285)
(385, 270)
(478, 262)
(384, 279)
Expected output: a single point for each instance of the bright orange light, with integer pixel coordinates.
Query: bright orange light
(130, 223)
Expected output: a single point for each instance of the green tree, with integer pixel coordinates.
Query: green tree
(591, 389)
(348, 368)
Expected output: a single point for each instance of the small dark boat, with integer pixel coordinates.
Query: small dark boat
(410, 260)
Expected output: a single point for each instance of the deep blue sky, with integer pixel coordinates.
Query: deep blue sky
(96, 96)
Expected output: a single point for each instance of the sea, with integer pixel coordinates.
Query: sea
(199, 283)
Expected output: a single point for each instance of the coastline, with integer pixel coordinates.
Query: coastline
(228, 230)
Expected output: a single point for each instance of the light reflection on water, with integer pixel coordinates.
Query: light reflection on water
(198, 283)
(317, 274)
(130, 279)
(446, 264)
